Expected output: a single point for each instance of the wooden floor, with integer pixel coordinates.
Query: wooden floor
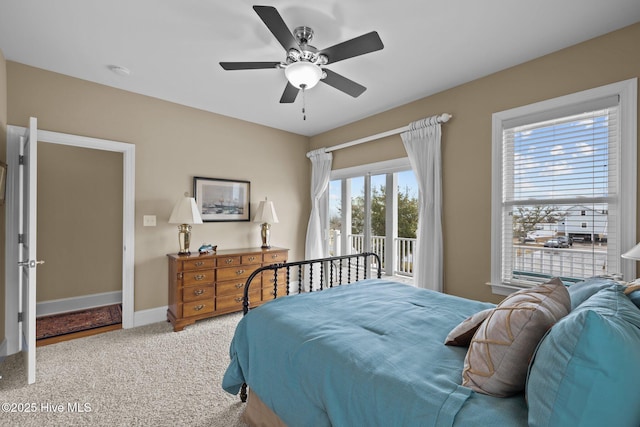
(81, 334)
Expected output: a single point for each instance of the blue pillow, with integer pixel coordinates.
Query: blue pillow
(635, 297)
(582, 291)
(585, 370)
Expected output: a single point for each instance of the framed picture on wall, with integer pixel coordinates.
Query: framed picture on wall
(222, 199)
(3, 182)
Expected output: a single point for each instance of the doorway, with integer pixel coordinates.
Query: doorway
(79, 211)
(127, 238)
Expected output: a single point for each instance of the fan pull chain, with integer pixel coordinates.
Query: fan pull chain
(304, 114)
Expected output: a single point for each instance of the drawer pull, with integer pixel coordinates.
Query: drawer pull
(274, 256)
(198, 307)
(199, 263)
(239, 272)
(239, 299)
(229, 260)
(199, 276)
(252, 258)
(198, 292)
(239, 285)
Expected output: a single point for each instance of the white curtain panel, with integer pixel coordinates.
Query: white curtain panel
(422, 143)
(320, 174)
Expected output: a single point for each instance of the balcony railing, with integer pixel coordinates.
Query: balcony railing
(554, 262)
(404, 250)
(528, 260)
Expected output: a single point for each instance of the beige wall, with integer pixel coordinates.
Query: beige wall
(466, 141)
(173, 144)
(79, 237)
(3, 155)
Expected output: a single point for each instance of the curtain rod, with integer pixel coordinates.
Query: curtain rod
(442, 118)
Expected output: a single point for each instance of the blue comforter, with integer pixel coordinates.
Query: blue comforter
(365, 354)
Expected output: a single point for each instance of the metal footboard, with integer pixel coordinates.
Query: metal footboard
(316, 274)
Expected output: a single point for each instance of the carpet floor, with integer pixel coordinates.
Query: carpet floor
(145, 376)
(77, 321)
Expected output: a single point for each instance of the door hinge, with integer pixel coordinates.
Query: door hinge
(20, 238)
(20, 317)
(21, 159)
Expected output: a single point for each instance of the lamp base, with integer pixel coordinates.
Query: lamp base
(265, 233)
(184, 238)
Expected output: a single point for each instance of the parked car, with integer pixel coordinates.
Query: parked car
(556, 243)
(565, 239)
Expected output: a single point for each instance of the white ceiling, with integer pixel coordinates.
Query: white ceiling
(173, 48)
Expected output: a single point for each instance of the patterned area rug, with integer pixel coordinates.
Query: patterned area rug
(76, 321)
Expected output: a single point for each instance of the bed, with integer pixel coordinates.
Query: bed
(371, 352)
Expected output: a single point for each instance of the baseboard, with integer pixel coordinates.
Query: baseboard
(3, 350)
(152, 315)
(64, 305)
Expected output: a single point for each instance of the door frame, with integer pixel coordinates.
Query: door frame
(11, 236)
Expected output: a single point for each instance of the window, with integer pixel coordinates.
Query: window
(374, 208)
(564, 188)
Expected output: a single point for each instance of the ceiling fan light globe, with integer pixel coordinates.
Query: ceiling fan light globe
(303, 73)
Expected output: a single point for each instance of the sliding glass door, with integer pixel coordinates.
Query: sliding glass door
(375, 210)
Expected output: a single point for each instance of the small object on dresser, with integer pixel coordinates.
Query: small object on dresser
(207, 248)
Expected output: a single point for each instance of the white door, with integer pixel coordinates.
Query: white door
(27, 247)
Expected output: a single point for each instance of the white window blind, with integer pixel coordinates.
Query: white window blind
(564, 187)
(560, 195)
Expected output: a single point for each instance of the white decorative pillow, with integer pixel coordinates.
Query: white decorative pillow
(461, 335)
(499, 353)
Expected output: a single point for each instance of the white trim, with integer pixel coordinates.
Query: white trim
(83, 302)
(387, 166)
(128, 203)
(11, 236)
(628, 92)
(152, 315)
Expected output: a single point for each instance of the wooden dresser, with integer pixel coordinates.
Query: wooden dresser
(202, 286)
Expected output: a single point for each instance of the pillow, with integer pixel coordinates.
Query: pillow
(633, 292)
(581, 291)
(499, 353)
(585, 370)
(461, 335)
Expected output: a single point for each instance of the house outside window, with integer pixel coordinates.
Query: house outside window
(564, 188)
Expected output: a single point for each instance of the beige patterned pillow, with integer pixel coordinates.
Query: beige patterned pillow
(461, 335)
(499, 353)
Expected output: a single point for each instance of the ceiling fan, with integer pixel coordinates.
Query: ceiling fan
(304, 64)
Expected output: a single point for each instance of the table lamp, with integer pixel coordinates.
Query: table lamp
(266, 215)
(633, 253)
(185, 212)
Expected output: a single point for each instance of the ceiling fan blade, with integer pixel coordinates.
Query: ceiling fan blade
(366, 43)
(342, 83)
(289, 95)
(276, 25)
(248, 65)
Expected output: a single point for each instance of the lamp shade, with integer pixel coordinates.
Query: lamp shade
(185, 211)
(266, 213)
(303, 73)
(633, 253)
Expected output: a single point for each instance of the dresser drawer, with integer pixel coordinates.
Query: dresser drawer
(268, 278)
(198, 277)
(274, 257)
(198, 307)
(231, 287)
(228, 261)
(196, 293)
(234, 273)
(251, 259)
(199, 264)
(234, 302)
